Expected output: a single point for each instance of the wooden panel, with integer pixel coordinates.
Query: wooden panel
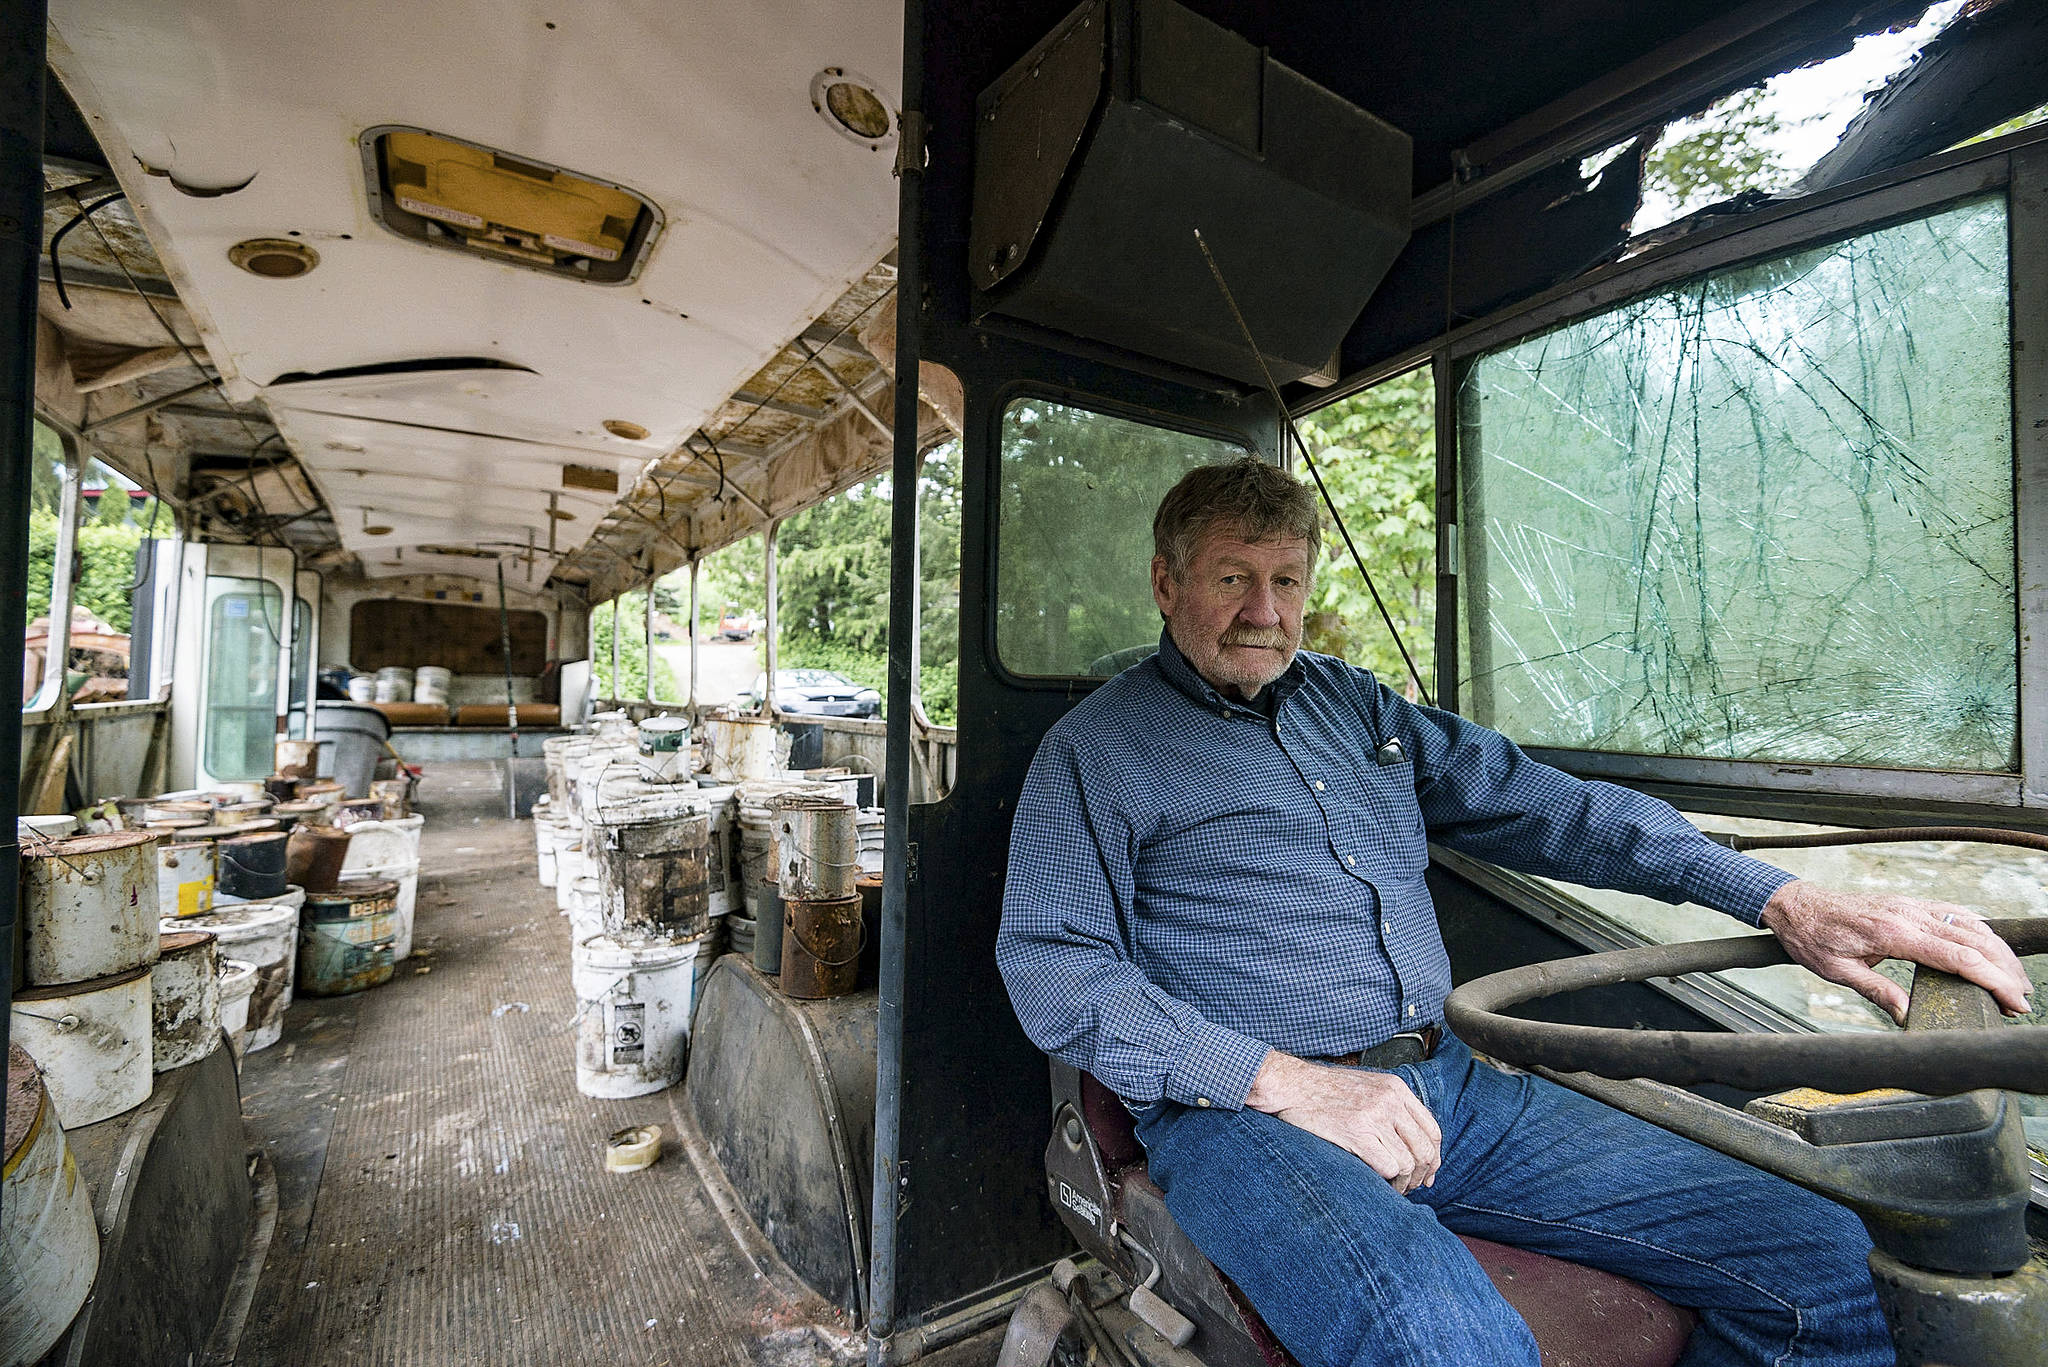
(408, 632)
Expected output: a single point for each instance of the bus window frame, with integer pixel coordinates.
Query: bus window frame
(2021, 176)
(1092, 402)
(49, 689)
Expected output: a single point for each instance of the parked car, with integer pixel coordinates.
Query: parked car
(818, 692)
(734, 626)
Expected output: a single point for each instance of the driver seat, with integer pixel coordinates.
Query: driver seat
(1581, 1317)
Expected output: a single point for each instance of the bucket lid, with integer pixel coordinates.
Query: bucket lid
(85, 989)
(634, 951)
(104, 842)
(256, 838)
(241, 921)
(178, 941)
(353, 891)
(665, 723)
(236, 975)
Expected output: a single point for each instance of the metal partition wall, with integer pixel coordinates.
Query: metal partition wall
(1812, 789)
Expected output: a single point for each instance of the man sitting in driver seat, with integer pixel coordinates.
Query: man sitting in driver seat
(1215, 905)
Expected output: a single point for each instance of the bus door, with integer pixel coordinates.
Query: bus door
(234, 658)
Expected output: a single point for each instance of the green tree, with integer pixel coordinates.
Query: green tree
(1723, 152)
(628, 614)
(1377, 453)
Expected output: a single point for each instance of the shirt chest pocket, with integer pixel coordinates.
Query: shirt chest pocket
(1382, 821)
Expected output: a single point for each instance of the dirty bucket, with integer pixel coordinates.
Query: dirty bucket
(586, 910)
(382, 851)
(632, 1013)
(396, 796)
(185, 876)
(252, 867)
(821, 945)
(354, 810)
(570, 864)
(739, 932)
(744, 749)
(45, 827)
(314, 857)
(92, 1041)
(544, 828)
(430, 684)
(49, 1239)
(724, 897)
(768, 928)
(237, 988)
(297, 759)
(88, 906)
(264, 934)
(345, 938)
(817, 847)
(394, 684)
(664, 749)
(871, 840)
(184, 991)
(652, 857)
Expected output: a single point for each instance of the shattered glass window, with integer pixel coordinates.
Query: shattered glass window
(1765, 514)
(1074, 550)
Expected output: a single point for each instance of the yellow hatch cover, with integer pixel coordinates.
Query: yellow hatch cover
(494, 202)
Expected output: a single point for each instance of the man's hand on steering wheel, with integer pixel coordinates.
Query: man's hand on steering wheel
(1372, 1115)
(1842, 935)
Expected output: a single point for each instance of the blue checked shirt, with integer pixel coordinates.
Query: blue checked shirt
(1193, 881)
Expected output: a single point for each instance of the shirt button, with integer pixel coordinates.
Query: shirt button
(1204, 1101)
(1348, 859)
(1386, 927)
(1319, 785)
(1411, 1008)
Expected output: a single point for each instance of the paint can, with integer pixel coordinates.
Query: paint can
(570, 864)
(768, 928)
(184, 992)
(872, 835)
(394, 684)
(89, 906)
(180, 810)
(740, 934)
(719, 861)
(430, 684)
(185, 877)
(252, 867)
(304, 812)
(633, 1000)
(235, 790)
(314, 856)
(388, 850)
(265, 934)
(237, 990)
(323, 790)
(281, 787)
(652, 858)
(396, 796)
(296, 759)
(351, 810)
(664, 749)
(49, 1238)
(821, 945)
(362, 688)
(345, 939)
(817, 842)
(44, 827)
(744, 749)
(92, 1041)
(544, 828)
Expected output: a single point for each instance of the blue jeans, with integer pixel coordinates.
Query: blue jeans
(1348, 1273)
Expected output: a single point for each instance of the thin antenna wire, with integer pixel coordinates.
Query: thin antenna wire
(1287, 418)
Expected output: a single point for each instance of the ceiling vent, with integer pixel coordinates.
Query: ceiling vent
(1133, 124)
(450, 193)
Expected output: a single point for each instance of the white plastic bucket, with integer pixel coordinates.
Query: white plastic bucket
(363, 688)
(185, 875)
(89, 906)
(237, 986)
(394, 684)
(93, 1042)
(570, 865)
(544, 849)
(586, 910)
(184, 990)
(47, 827)
(744, 749)
(664, 749)
(724, 818)
(871, 841)
(633, 1003)
(430, 684)
(49, 1240)
(265, 934)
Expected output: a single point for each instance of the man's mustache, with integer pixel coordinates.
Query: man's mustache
(1270, 638)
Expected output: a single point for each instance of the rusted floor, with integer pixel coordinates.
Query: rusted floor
(441, 1197)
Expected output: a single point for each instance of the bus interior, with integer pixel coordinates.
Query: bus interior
(402, 336)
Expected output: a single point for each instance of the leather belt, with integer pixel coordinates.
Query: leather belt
(1410, 1046)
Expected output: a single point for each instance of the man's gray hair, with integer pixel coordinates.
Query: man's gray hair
(1256, 501)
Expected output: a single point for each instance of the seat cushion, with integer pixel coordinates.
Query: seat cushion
(1581, 1316)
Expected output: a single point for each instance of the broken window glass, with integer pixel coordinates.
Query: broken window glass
(1764, 514)
(1074, 549)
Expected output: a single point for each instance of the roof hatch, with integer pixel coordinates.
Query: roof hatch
(450, 193)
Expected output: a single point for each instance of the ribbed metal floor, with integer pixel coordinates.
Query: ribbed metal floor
(441, 1195)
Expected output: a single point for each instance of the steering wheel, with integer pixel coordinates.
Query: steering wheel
(1952, 1041)
(1940, 1179)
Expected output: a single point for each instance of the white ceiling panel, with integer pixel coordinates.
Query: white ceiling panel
(703, 108)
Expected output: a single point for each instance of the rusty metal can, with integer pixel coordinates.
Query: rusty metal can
(821, 945)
